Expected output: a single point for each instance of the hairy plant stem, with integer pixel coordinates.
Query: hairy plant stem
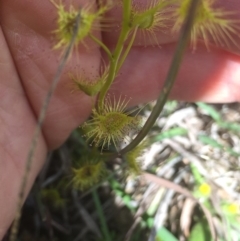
(37, 131)
(172, 74)
(117, 53)
(123, 58)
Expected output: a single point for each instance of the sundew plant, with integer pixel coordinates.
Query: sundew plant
(111, 122)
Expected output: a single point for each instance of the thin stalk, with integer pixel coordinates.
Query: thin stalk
(117, 53)
(104, 227)
(172, 74)
(102, 45)
(127, 50)
(37, 131)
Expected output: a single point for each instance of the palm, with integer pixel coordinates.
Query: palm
(28, 64)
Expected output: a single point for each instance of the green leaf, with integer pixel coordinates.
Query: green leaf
(196, 174)
(164, 235)
(177, 131)
(230, 126)
(150, 222)
(209, 110)
(200, 232)
(209, 141)
(170, 106)
(127, 200)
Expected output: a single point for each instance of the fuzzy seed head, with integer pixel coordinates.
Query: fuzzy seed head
(150, 19)
(144, 20)
(88, 174)
(52, 197)
(111, 124)
(90, 86)
(210, 23)
(132, 158)
(67, 20)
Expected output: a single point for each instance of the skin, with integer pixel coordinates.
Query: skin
(27, 66)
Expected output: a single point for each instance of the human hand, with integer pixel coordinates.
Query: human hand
(28, 64)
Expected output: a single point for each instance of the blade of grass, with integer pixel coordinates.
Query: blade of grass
(164, 235)
(213, 143)
(103, 223)
(215, 115)
(126, 198)
(209, 110)
(176, 131)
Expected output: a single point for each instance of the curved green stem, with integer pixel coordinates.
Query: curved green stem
(102, 45)
(117, 52)
(123, 58)
(104, 226)
(172, 74)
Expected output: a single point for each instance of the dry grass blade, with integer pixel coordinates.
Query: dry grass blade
(162, 211)
(177, 188)
(37, 131)
(186, 216)
(144, 204)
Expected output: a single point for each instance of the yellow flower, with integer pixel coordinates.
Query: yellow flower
(233, 208)
(205, 189)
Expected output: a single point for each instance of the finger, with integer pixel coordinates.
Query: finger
(17, 123)
(30, 36)
(164, 34)
(207, 76)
